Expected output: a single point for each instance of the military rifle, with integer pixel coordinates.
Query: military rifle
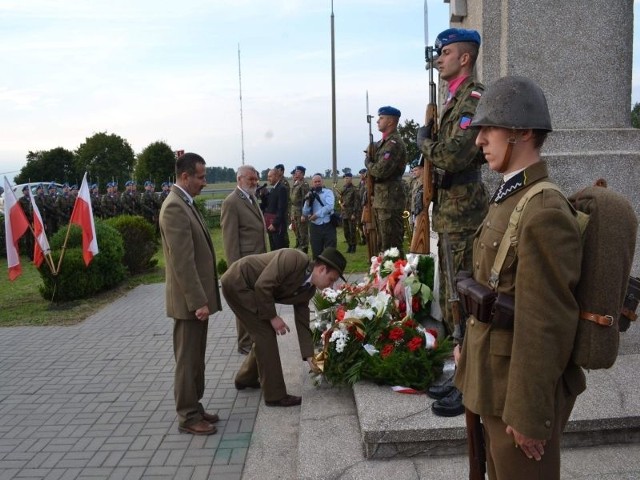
(367, 211)
(475, 436)
(421, 239)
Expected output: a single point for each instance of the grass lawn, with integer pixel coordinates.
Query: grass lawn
(22, 304)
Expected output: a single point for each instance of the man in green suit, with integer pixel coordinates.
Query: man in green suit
(191, 291)
(252, 286)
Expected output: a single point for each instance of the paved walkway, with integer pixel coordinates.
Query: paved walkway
(95, 400)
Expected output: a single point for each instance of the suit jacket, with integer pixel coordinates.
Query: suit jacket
(513, 374)
(243, 231)
(258, 282)
(277, 204)
(190, 262)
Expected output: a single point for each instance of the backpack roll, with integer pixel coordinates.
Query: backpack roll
(608, 249)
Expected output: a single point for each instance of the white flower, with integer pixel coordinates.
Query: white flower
(360, 313)
(380, 302)
(388, 266)
(339, 337)
(429, 340)
(392, 252)
(330, 294)
(371, 350)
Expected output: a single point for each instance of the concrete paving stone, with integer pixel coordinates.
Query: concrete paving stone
(159, 458)
(135, 473)
(37, 460)
(199, 472)
(52, 460)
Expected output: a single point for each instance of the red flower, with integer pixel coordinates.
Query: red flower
(415, 304)
(414, 344)
(409, 323)
(340, 313)
(386, 351)
(396, 333)
(402, 306)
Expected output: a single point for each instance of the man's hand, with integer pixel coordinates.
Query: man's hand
(531, 447)
(371, 151)
(279, 326)
(202, 313)
(456, 354)
(425, 133)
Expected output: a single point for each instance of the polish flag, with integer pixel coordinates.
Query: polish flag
(15, 225)
(82, 215)
(41, 246)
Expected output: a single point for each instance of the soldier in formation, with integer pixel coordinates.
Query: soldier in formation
(350, 207)
(298, 193)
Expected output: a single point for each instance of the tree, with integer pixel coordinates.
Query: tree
(635, 116)
(106, 157)
(328, 172)
(408, 133)
(57, 164)
(346, 170)
(156, 162)
(264, 174)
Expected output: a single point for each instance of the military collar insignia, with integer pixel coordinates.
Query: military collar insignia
(509, 187)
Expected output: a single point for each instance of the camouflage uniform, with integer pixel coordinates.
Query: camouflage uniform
(149, 204)
(362, 198)
(349, 203)
(51, 212)
(64, 207)
(461, 201)
(110, 204)
(298, 192)
(96, 202)
(129, 203)
(386, 169)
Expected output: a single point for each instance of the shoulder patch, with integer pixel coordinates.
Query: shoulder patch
(476, 94)
(387, 156)
(465, 122)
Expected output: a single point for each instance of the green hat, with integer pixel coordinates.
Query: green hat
(332, 257)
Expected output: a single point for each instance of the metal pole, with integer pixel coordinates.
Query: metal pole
(333, 102)
(241, 118)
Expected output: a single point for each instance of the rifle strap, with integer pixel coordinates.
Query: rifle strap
(510, 237)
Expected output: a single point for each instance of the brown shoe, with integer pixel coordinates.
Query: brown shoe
(210, 417)
(287, 401)
(201, 428)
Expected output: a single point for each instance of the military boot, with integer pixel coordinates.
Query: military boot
(449, 406)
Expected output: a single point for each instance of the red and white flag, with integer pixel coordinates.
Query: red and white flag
(82, 215)
(15, 225)
(41, 245)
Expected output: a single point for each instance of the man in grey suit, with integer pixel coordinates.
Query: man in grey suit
(252, 287)
(191, 291)
(243, 230)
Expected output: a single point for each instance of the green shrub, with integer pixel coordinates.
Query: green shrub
(75, 280)
(222, 266)
(3, 240)
(140, 242)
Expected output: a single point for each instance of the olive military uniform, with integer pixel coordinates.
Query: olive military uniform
(460, 200)
(350, 207)
(386, 169)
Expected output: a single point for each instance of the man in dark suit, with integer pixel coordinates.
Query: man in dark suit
(275, 214)
(191, 291)
(243, 230)
(252, 287)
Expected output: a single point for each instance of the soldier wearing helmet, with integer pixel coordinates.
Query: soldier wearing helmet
(527, 353)
(460, 199)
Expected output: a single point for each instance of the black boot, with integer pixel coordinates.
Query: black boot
(353, 249)
(441, 390)
(449, 406)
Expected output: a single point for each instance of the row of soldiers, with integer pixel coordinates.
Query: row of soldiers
(55, 207)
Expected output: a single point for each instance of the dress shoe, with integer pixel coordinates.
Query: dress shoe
(449, 406)
(210, 417)
(244, 350)
(441, 390)
(287, 401)
(201, 428)
(242, 386)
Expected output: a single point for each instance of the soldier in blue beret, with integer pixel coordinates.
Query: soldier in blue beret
(386, 162)
(388, 110)
(460, 199)
(456, 35)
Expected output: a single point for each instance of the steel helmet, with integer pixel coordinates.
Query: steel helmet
(513, 102)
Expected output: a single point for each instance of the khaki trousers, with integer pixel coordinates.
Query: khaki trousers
(189, 348)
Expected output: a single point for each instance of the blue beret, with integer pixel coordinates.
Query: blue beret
(26, 187)
(454, 35)
(165, 184)
(39, 186)
(417, 162)
(148, 183)
(94, 185)
(64, 185)
(74, 187)
(279, 167)
(128, 183)
(52, 185)
(362, 170)
(348, 174)
(391, 111)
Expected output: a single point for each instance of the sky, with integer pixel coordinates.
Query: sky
(166, 70)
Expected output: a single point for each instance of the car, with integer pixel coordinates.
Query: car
(34, 185)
